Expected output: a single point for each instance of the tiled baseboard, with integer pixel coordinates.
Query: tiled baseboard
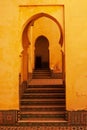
(77, 117)
(8, 117)
(43, 128)
(74, 118)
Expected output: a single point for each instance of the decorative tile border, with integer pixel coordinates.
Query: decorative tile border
(77, 117)
(8, 117)
(74, 119)
(43, 128)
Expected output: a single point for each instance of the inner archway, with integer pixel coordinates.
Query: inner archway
(41, 52)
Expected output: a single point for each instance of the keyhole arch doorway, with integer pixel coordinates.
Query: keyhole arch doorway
(41, 52)
(26, 42)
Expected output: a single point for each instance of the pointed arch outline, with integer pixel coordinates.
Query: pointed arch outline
(43, 37)
(25, 39)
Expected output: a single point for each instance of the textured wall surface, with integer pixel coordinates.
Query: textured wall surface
(75, 51)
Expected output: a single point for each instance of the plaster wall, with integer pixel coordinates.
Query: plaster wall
(11, 26)
(76, 54)
(9, 55)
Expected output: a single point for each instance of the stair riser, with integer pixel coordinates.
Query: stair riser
(43, 97)
(42, 113)
(46, 86)
(41, 71)
(42, 103)
(25, 116)
(41, 77)
(44, 74)
(44, 94)
(44, 91)
(43, 110)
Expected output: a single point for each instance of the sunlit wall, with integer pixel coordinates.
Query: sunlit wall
(74, 26)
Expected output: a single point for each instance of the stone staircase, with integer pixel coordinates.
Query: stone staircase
(44, 73)
(43, 103)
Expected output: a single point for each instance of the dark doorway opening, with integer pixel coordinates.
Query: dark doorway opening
(41, 53)
(38, 62)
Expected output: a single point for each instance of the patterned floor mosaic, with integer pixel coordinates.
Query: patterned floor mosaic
(43, 128)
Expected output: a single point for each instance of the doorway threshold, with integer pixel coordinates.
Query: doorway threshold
(46, 82)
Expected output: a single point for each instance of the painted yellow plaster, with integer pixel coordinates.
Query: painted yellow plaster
(76, 57)
(12, 21)
(9, 55)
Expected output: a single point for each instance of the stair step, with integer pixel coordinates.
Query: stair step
(46, 86)
(44, 91)
(43, 96)
(44, 74)
(41, 113)
(42, 100)
(41, 109)
(42, 120)
(44, 116)
(41, 70)
(41, 77)
(43, 103)
(41, 74)
(29, 89)
(45, 106)
(47, 82)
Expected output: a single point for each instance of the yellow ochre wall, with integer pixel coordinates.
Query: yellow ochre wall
(11, 27)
